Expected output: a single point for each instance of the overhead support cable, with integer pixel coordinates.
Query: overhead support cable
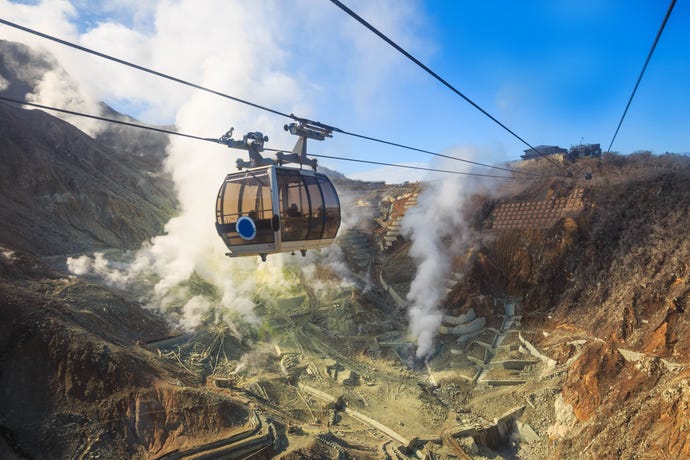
(243, 101)
(394, 144)
(219, 141)
(420, 168)
(644, 68)
(398, 165)
(437, 77)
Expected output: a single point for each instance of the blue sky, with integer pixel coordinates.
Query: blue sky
(556, 72)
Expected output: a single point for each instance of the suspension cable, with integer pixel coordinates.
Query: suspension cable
(436, 76)
(361, 136)
(644, 67)
(243, 101)
(398, 165)
(216, 140)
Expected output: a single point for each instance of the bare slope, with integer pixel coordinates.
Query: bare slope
(63, 192)
(616, 276)
(73, 379)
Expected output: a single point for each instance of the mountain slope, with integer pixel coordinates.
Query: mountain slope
(74, 381)
(614, 280)
(64, 192)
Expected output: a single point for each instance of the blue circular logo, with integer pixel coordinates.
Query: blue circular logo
(246, 228)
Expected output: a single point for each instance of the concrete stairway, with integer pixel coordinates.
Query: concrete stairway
(394, 229)
(488, 355)
(453, 279)
(357, 249)
(392, 234)
(498, 361)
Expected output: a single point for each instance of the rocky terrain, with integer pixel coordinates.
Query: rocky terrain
(64, 191)
(607, 291)
(76, 380)
(611, 380)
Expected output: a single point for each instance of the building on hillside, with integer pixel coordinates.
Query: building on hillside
(581, 151)
(541, 151)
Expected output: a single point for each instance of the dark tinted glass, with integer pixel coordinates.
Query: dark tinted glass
(245, 194)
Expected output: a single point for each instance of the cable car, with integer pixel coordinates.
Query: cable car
(269, 208)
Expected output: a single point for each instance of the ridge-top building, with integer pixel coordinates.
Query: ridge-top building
(541, 151)
(578, 152)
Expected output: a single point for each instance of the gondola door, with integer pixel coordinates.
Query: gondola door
(245, 217)
(309, 209)
(295, 206)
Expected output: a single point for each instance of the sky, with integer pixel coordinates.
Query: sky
(556, 72)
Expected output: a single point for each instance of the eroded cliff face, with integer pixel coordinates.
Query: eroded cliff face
(617, 277)
(74, 377)
(63, 192)
(633, 408)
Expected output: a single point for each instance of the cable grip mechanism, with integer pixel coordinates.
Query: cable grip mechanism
(305, 129)
(253, 143)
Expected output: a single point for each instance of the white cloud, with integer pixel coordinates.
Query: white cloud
(392, 174)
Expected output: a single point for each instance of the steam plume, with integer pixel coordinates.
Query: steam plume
(438, 233)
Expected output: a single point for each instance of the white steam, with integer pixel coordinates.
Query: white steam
(439, 233)
(4, 84)
(190, 244)
(99, 266)
(329, 260)
(57, 89)
(193, 311)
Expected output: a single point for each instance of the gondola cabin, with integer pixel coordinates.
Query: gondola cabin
(272, 209)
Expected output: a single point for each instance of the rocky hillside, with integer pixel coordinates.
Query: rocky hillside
(64, 191)
(616, 277)
(74, 378)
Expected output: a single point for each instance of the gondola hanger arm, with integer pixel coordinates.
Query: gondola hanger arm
(305, 129)
(253, 143)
